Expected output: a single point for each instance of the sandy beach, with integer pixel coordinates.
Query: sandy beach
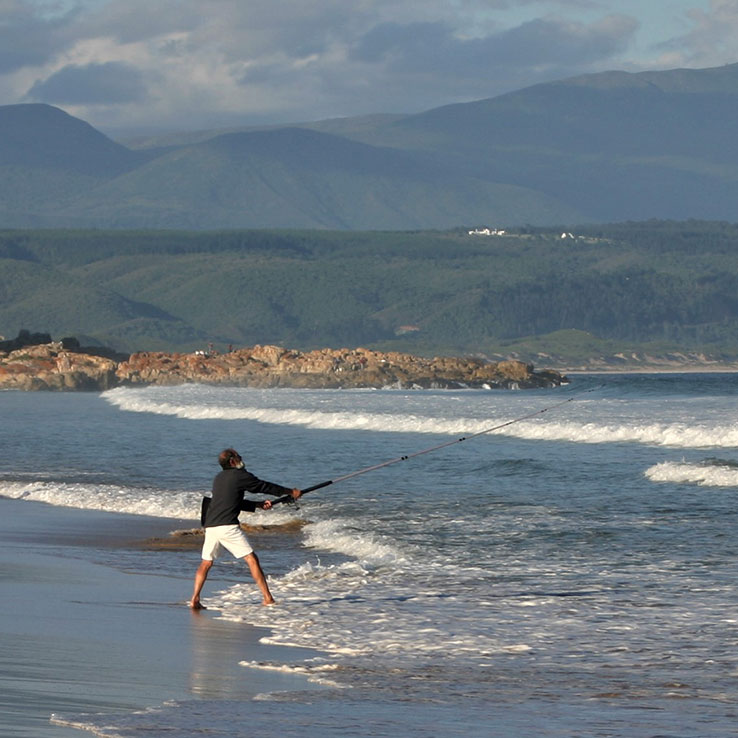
(82, 637)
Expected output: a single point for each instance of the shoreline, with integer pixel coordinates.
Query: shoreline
(653, 370)
(83, 637)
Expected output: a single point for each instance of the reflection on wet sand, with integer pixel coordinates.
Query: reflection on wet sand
(219, 645)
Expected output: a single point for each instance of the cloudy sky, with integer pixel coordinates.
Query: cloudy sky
(177, 64)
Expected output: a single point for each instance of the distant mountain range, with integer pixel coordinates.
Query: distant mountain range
(598, 148)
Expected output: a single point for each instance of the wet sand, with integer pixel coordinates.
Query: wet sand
(82, 637)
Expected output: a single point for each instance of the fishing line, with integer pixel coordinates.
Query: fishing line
(405, 457)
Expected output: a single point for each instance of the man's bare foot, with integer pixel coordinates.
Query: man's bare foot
(272, 601)
(196, 605)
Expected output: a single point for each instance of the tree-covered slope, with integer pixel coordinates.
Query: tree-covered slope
(671, 283)
(33, 293)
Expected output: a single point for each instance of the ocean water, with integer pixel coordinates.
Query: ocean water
(570, 574)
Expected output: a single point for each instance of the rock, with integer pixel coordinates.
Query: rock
(51, 367)
(273, 366)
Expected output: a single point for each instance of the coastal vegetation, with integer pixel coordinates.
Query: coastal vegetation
(554, 296)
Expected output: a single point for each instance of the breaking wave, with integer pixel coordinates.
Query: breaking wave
(107, 497)
(643, 430)
(157, 503)
(710, 473)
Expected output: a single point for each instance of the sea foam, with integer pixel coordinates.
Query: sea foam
(394, 592)
(706, 474)
(636, 427)
(110, 498)
(337, 536)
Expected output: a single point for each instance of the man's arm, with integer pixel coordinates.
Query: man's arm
(251, 505)
(253, 485)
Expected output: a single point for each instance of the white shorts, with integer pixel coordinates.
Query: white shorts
(230, 537)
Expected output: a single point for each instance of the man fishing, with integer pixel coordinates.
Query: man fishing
(219, 517)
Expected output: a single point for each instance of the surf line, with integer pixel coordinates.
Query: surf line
(397, 460)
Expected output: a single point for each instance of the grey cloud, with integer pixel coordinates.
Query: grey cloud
(132, 21)
(395, 41)
(559, 43)
(295, 59)
(542, 43)
(711, 41)
(407, 67)
(238, 29)
(27, 38)
(111, 82)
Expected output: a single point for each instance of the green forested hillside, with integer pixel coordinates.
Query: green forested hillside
(667, 285)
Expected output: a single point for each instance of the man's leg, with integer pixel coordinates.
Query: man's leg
(200, 576)
(257, 573)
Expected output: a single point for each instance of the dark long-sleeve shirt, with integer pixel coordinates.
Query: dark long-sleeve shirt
(227, 501)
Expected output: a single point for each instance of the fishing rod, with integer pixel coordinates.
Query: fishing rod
(374, 467)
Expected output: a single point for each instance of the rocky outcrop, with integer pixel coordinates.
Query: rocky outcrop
(52, 367)
(272, 366)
